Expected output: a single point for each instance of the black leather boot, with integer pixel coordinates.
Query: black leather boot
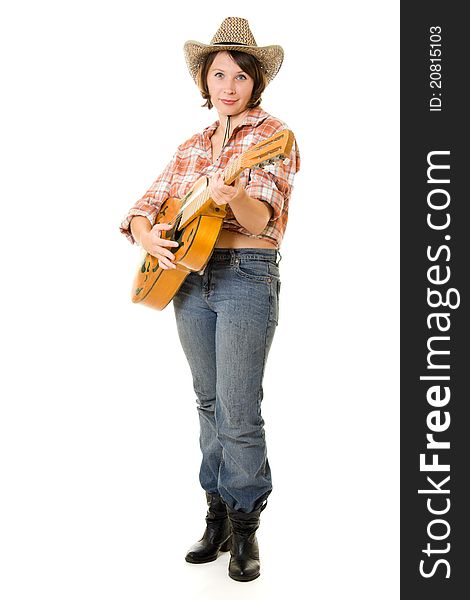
(216, 537)
(244, 552)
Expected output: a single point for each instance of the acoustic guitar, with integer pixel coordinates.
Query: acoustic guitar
(196, 223)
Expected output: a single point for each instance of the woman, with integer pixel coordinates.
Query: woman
(226, 315)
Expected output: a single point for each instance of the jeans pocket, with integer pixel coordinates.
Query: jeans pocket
(253, 270)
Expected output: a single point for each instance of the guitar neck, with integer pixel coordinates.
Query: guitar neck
(229, 175)
(232, 170)
(277, 147)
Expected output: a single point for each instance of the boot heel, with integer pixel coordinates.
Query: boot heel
(226, 545)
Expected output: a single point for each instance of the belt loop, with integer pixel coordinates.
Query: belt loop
(279, 255)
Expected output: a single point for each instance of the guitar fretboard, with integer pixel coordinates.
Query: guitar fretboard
(230, 173)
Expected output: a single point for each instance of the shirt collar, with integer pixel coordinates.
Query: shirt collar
(253, 117)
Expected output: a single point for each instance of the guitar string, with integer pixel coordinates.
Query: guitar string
(225, 140)
(228, 173)
(203, 199)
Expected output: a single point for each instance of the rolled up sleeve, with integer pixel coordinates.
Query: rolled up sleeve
(274, 183)
(150, 203)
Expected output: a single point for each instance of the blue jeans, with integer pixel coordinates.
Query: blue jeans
(226, 319)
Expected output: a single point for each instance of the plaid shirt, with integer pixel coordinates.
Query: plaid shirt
(194, 159)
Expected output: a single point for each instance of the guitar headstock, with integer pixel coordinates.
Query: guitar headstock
(277, 147)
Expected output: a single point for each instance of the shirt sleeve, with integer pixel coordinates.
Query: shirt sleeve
(150, 203)
(274, 183)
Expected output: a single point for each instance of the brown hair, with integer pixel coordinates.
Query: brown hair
(247, 62)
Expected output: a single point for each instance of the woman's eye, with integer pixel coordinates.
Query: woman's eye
(218, 75)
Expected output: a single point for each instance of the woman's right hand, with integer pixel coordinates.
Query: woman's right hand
(153, 243)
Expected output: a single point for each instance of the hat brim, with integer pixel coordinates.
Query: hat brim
(270, 57)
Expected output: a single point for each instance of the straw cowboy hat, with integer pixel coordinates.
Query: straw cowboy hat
(234, 34)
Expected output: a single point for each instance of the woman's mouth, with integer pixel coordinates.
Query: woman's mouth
(229, 102)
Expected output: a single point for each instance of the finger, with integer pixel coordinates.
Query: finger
(217, 180)
(162, 226)
(165, 263)
(160, 252)
(160, 237)
(165, 242)
(216, 198)
(213, 193)
(165, 253)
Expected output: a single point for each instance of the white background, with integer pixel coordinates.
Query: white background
(98, 433)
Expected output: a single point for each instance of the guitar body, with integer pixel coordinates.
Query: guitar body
(196, 223)
(156, 287)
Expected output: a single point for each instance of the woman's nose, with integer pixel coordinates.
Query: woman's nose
(230, 87)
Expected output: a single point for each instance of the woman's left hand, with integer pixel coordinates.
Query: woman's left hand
(225, 194)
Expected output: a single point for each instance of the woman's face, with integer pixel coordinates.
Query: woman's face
(229, 87)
